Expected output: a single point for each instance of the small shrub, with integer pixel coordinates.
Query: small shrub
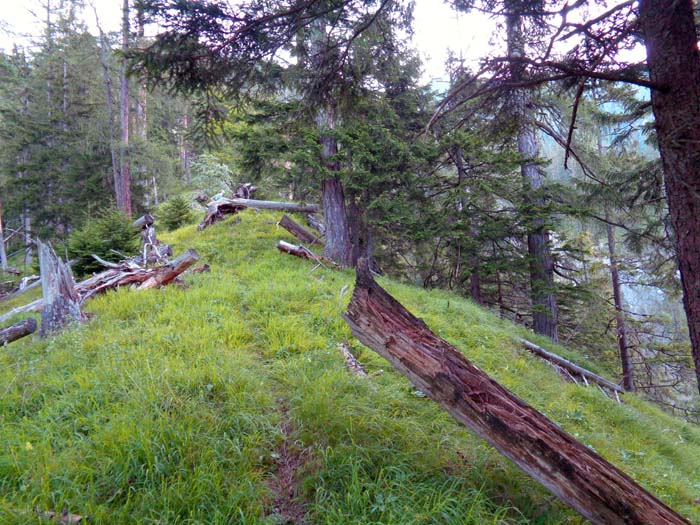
(109, 230)
(175, 212)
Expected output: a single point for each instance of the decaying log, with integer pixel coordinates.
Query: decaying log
(316, 224)
(351, 362)
(570, 367)
(17, 331)
(221, 207)
(143, 221)
(166, 273)
(297, 230)
(304, 253)
(61, 301)
(573, 472)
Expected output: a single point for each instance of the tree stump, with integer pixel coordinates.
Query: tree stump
(61, 301)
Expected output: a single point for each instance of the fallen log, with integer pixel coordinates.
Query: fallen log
(117, 275)
(61, 303)
(33, 286)
(304, 253)
(143, 221)
(297, 230)
(573, 472)
(570, 367)
(17, 331)
(216, 210)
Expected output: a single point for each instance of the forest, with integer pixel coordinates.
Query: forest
(554, 183)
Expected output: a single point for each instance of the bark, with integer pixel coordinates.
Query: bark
(17, 331)
(571, 368)
(674, 62)
(217, 210)
(124, 195)
(297, 230)
(3, 254)
(304, 253)
(574, 473)
(627, 376)
(61, 303)
(338, 246)
(545, 312)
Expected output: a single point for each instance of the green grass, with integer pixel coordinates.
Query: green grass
(172, 406)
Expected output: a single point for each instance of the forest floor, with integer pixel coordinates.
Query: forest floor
(227, 401)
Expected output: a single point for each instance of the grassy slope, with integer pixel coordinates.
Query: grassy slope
(188, 405)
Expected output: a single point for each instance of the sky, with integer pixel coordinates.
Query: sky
(437, 29)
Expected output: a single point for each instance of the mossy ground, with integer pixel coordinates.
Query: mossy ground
(171, 406)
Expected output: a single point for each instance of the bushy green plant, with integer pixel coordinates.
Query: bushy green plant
(109, 232)
(175, 212)
(211, 175)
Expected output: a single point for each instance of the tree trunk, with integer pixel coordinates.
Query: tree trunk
(577, 475)
(338, 246)
(545, 313)
(116, 175)
(27, 223)
(61, 304)
(185, 151)
(674, 62)
(17, 331)
(3, 254)
(124, 195)
(627, 376)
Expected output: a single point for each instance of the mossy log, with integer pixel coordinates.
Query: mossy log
(17, 331)
(573, 472)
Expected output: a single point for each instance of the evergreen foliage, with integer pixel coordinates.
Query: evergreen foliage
(175, 212)
(109, 234)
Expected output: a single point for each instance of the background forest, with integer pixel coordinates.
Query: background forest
(485, 189)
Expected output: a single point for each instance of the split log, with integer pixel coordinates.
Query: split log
(573, 472)
(297, 230)
(315, 223)
(217, 209)
(17, 331)
(304, 253)
(570, 367)
(61, 302)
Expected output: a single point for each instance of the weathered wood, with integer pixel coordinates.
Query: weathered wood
(166, 273)
(304, 253)
(34, 306)
(297, 230)
(569, 366)
(61, 301)
(573, 472)
(351, 362)
(216, 210)
(316, 223)
(144, 220)
(19, 292)
(17, 331)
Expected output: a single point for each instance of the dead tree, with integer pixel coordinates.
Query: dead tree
(61, 303)
(573, 472)
(152, 250)
(17, 331)
(218, 209)
(297, 230)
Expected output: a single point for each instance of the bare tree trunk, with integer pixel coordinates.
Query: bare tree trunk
(184, 151)
(545, 313)
(3, 252)
(124, 196)
(573, 472)
(61, 304)
(674, 62)
(627, 376)
(142, 100)
(27, 222)
(116, 175)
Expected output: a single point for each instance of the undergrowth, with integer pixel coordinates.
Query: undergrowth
(168, 407)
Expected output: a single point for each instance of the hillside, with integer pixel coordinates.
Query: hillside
(216, 402)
